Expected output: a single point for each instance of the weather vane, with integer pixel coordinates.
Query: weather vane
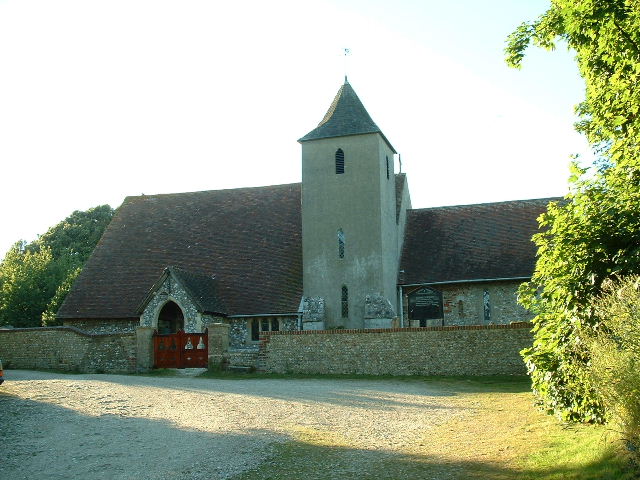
(347, 52)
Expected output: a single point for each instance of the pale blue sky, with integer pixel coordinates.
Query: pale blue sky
(104, 99)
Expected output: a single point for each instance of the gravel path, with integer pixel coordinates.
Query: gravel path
(89, 427)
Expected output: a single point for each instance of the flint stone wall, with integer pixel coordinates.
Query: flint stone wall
(460, 350)
(172, 291)
(240, 330)
(464, 304)
(118, 325)
(68, 349)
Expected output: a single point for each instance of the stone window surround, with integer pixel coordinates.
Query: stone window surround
(260, 322)
(160, 306)
(344, 302)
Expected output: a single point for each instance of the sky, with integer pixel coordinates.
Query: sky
(100, 100)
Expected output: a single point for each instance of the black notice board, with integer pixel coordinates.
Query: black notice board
(425, 303)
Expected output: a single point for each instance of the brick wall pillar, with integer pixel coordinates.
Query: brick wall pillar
(218, 344)
(144, 348)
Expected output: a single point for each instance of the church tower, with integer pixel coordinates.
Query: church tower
(349, 228)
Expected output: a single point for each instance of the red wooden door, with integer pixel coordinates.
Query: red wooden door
(181, 350)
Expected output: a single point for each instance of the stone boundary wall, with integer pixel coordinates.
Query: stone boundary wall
(243, 358)
(69, 349)
(453, 350)
(101, 325)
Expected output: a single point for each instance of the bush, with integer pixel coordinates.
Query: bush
(615, 358)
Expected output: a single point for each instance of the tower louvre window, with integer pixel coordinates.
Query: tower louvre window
(339, 161)
(387, 168)
(340, 243)
(345, 302)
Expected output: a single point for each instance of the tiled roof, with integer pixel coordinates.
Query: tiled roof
(202, 289)
(346, 116)
(249, 238)
(470, 242)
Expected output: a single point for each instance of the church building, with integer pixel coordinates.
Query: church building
(343, 249)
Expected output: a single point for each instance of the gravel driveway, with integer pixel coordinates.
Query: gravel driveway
(56, 426)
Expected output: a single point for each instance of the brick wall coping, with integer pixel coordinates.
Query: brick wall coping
(510, 326)
(71, 329)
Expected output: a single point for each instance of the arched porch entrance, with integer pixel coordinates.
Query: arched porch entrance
(172, 346)
(170, 318)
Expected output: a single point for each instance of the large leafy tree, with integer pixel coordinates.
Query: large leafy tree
(595, 233)
(35, 277)
(77, 235)
(26, 284)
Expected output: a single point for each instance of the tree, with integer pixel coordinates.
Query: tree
(26, 285)
(49, 314)
(77, 235)
(35, 277)
(614, 350)
(595, 234)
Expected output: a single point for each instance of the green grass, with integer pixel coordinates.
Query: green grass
(502, 382)
(577, 452)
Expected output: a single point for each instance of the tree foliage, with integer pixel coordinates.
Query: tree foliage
(49, 314)
(35, 277)
(594, 234)
(614, 349)
(26, 283)
(77, 235)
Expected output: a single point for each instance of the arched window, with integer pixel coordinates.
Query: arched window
(339, 161)
(255, 330)
(486, 303)
(170, 318)
(345, 302)
(340, 243)
(387, 168)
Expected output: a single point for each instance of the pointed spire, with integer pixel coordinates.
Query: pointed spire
(346, 116)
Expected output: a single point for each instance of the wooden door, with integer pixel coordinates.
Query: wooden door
(181, 350)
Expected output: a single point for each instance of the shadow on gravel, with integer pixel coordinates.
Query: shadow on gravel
(41, 441)
(296, 460)
(364, 392)
(371, 393)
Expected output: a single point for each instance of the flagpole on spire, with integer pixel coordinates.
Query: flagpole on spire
(347, 52)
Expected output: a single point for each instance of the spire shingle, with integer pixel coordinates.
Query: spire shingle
(346, 116)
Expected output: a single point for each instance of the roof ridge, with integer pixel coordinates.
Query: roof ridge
(238, 189)
(501, 202)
